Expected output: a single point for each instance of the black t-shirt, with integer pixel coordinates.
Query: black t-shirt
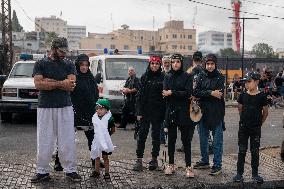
(251, 114)
(58, 70)
(278, 81)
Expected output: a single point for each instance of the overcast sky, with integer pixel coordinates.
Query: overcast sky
(138, 14)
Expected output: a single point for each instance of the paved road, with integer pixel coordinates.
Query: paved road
(18, 154)
(19, 138)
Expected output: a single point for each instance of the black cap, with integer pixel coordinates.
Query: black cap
(197, 55)
(251, 75)
(211, 57)
(60, 43)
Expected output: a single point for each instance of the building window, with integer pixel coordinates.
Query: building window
(189, 47)
(141, 38)
(98, 46)
(174, 46)
(180, 46)
(167, 36)
(189, 36)
(184, 36)
(180, 35)
(112, 46)
(184, 47)
(126, 47)
(166, 46)
(160, 37)
(174, 36)
(153, 38)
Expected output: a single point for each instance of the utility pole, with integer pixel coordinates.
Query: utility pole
(7, 52)
(243, 43)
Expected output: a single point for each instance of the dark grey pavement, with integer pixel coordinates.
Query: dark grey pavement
(18, 155)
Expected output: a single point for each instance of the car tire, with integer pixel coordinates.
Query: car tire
(6, 117)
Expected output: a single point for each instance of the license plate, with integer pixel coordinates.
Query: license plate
(33, 106)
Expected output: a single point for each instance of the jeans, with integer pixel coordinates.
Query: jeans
(244, 134)
(217, 143)
(142, 136)
(187, 132)
(163, 134)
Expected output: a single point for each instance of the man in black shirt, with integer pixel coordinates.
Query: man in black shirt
(253, 110)
(129, 90)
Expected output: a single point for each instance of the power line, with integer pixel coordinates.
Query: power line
(225, 8)
(269, 5)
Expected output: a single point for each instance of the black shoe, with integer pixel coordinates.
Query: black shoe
(238, 178)
(102, 165)
(138, 166)
(58, 167)
(40, 177)
(153, 164)
(107, 176)
(257, 178)
(215, 171)
(95, 174)
(74, 176)
(201, 165)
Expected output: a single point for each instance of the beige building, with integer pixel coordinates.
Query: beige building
(169, 39)
(51, 24)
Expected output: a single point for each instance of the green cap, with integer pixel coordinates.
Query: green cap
(104, 103)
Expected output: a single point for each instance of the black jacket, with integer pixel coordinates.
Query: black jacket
(84, 98)
(180, 83)
(213, 109)
(130, 98)
(149, 102)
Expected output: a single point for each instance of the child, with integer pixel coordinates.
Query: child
(102, 145)
(253, 111)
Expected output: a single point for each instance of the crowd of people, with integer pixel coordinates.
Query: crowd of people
(160, 100)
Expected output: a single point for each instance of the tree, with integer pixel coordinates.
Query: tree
(229, 52)
(263, 50)
(16, 26)
(50, 37)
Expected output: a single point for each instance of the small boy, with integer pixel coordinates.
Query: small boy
(102, 145)
(253, 109)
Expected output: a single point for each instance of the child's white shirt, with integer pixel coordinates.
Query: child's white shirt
(102, 140)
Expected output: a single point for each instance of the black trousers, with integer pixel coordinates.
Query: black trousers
(186, 138)
(254, 134)
(127, 112)
(142, 137)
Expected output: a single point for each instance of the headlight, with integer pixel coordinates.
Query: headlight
(11, 92)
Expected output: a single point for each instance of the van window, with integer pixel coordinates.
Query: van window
(22, 70)
(117, 68)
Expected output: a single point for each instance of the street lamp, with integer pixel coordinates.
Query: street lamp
(243, 45)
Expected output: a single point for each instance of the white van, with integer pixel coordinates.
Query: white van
(113, 72)
(18, 92)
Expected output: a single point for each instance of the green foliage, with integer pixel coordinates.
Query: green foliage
(229, 52)
(263, 50)
(16, 26)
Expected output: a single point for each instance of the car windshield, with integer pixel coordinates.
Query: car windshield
(117, 68)
(22, 70)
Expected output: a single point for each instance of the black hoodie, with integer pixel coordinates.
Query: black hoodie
(149, 102)
(84, 97)
(180, 83)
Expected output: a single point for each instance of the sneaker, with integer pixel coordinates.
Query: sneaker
(73, 176)
(58, 167)
(215, 171)
(138, 165)
(170, 169)
(201, 165)
(40, 177)
(95, 174)
(238, 178)
(153, 164)
(257, 179)
(189, 172)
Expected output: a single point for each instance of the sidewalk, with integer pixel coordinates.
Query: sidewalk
(272, 169)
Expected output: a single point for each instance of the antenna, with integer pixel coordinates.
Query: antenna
(194, 15)
(170, 11)
(112, 21)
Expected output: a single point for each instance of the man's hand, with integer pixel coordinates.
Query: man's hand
(167, 93)
(126, 90)
(67, 85)
(217, 94)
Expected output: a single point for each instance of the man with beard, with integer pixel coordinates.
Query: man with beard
(54, 77)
